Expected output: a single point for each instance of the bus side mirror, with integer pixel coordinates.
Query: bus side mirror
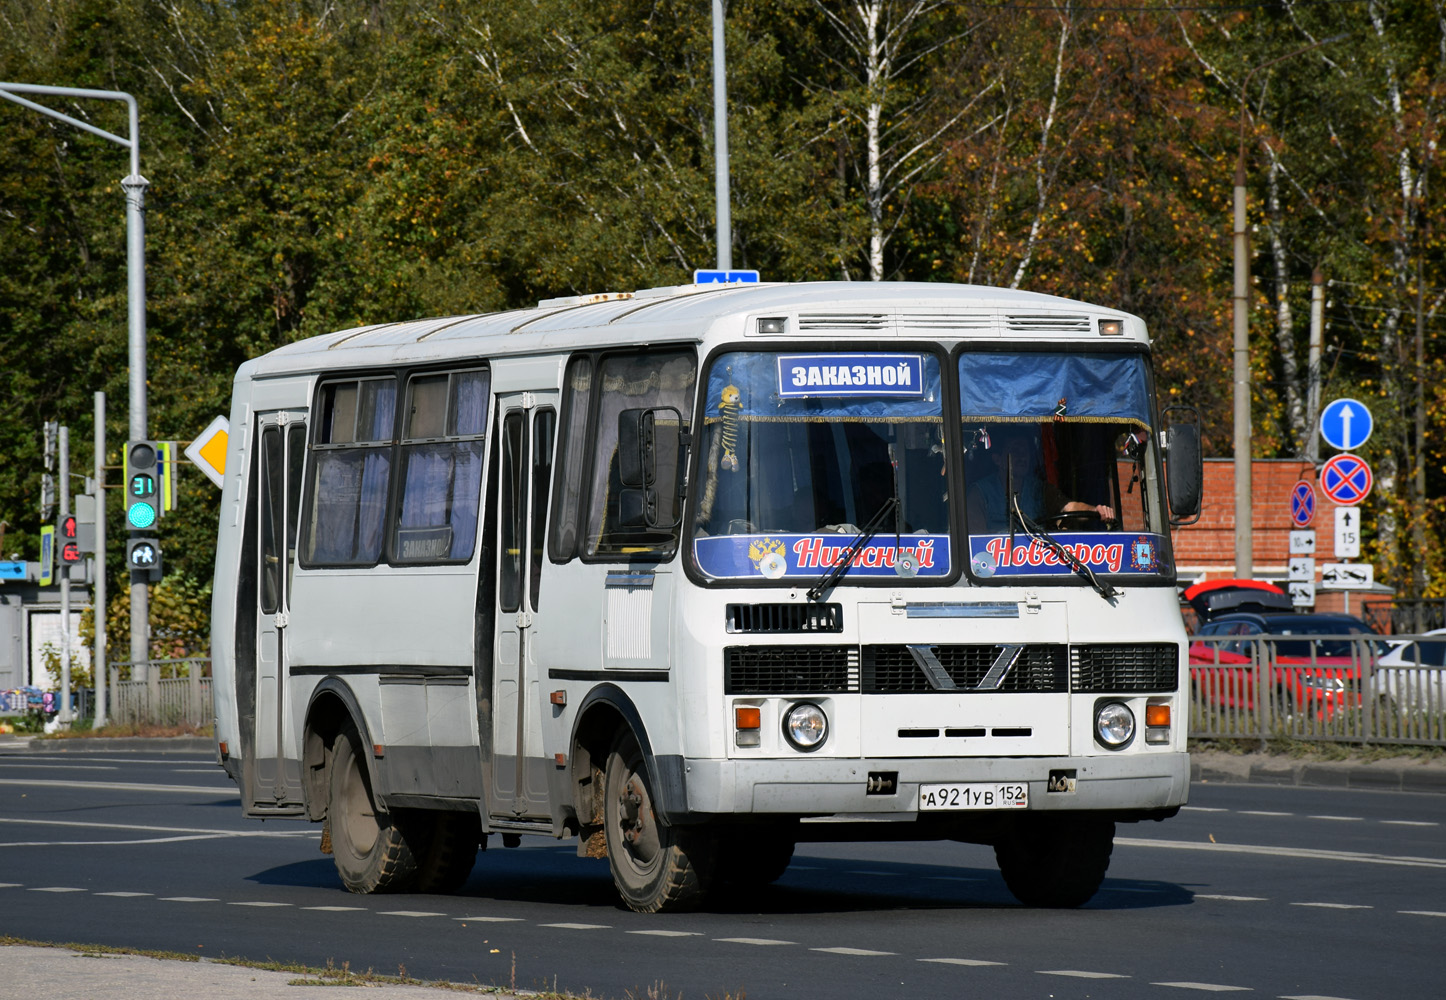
(1184, 465)
(649, 453)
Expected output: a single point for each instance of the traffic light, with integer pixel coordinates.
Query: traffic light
(67, 536)
(143, 485)
(143, 558)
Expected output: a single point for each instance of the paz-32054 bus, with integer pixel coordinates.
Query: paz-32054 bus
(694, 574)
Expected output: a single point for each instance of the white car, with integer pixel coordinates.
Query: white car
(1412, 673)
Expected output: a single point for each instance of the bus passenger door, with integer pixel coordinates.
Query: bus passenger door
(281, 440)
(528, 422)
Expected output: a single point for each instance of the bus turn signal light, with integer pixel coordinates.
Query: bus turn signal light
(748, 722)
(1157, 715)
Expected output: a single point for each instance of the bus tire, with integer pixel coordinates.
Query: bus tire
(371, 850)
(1056, 861)
(656, 868)
(453, 840)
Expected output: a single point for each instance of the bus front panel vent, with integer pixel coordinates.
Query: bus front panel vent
(790, 670)
(784, 619)
(1124, 668)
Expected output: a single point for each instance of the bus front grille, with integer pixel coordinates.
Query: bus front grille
(897, 669)
(790, 669)
(1125, 668)
(782, 619)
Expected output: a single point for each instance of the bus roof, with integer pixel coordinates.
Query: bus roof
(837, 310)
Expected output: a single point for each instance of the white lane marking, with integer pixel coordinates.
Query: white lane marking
(862, 952)
(480, 920)
(1080, 974)
(56, 888)
(1408, 822)
(258, 903)
(188, 770)
(51, 767)
(1306, 853)
(1337, 906)
(410, 913)
(11, 885)
(1232, 899)
(1423, 913)
(578, 927)
(336, 909)
(161, 829)
(125, 895)
(125, 786)
(1204, 809)
(669, 933)
(1263, 812)
(188, 899)
(107, 843)
(1340, 819)
(1209, 987)
(962, 961)
(1311, 996)
(122, 760)
(758, 941)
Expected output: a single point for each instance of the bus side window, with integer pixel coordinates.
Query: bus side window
(575, 458)
(440, 467)
(351, 472)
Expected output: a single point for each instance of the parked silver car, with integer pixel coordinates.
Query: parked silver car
(1412, 673)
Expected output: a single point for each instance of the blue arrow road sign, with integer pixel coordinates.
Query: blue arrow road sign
(1346, 424)
(1302, 503)
(1346, 479)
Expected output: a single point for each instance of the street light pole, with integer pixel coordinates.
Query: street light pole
(720, 143)
(134, 186)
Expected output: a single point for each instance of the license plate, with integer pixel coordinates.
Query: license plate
(973, 795)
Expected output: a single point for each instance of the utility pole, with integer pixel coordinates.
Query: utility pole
(1313, 373)
(134, 186)
(66, 717)
(720, 143)
(98, 601)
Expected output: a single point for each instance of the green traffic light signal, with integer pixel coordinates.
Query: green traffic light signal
(142, 485)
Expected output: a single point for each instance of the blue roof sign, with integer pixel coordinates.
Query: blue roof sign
(724, 277)
(11, 570)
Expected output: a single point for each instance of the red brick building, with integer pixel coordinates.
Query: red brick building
(1206, 549)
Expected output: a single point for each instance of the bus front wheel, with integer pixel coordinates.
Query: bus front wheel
(655, 867)
(371, 852)
(1056, 860)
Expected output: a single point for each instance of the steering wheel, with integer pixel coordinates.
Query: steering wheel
(1066, 518)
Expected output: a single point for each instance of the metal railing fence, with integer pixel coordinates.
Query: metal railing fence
(178, 693)
(1329, 688)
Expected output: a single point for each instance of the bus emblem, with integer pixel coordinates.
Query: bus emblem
(1144, 555)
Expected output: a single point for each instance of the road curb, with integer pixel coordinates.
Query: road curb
(114, 744)
(1401, 775)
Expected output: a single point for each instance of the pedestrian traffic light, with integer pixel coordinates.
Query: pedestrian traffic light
(143, 558)
(68, 538)
(143, 485)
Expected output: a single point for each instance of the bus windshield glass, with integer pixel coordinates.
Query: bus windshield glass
(1059, 453)
(800, 451)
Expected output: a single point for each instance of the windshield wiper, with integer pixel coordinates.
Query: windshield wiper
(1070, 559)
(841, 567)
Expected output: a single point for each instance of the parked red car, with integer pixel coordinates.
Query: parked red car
(1318, 676)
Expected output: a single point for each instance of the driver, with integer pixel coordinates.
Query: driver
(1014, 450)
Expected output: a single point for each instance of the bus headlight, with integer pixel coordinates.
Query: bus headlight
(1114, 725)
(805, 726)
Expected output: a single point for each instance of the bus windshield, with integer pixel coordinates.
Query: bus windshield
(1058, 446)
(801, 451)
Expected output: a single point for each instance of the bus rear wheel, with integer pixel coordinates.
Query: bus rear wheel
(371, 851)
(1056, 860)
(655, 867)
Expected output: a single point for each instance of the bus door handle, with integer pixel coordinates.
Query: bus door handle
(281, 619)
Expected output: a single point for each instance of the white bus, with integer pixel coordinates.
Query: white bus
(693, 574)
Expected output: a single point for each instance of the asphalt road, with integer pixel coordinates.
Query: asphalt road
(1283, 892)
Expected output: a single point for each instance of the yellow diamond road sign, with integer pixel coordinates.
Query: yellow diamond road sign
(208, 451)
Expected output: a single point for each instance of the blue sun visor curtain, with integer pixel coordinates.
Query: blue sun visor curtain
(1036, 386)
(826, 386)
